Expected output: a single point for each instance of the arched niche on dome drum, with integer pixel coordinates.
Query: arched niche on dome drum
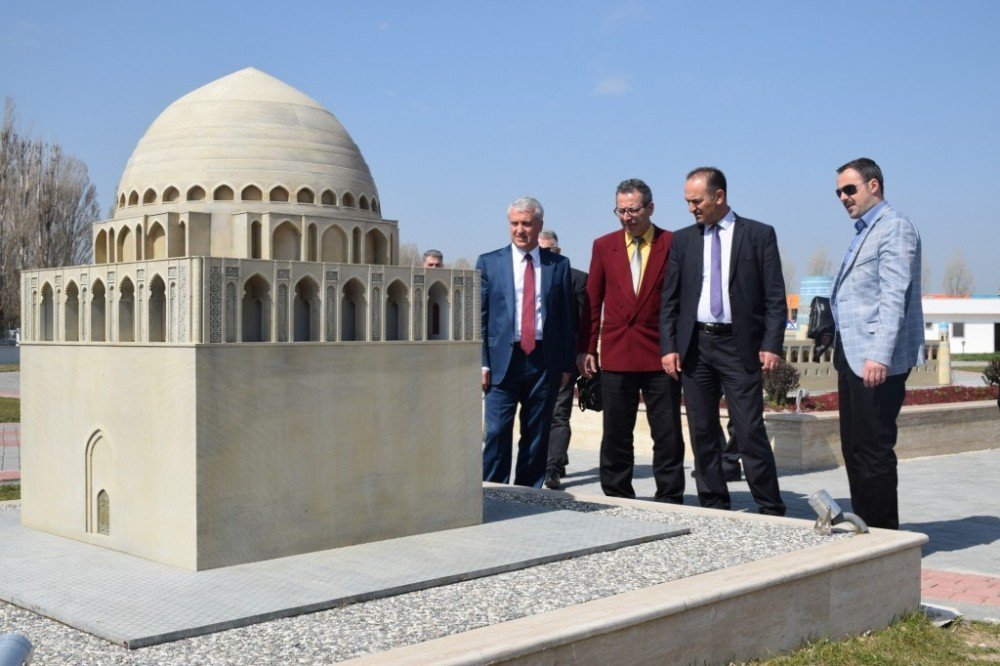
(278, 194)
(196, 193)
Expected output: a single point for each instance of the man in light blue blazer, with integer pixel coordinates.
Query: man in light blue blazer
(880, 337)
(528, 330)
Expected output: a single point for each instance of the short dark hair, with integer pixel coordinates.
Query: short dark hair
(635, 185)
(715, 180)
(868, 170)
(434, 253)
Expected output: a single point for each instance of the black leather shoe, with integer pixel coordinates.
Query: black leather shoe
(552, 481)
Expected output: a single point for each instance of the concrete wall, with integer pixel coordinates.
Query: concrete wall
(312, 446)
(223, 454)
(140, 400)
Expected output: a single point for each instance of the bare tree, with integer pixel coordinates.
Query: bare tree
(925, 276)
(47, 204)
(957, 276)
(409, 255)
(461, 264)
(787, 271)
(819, 262)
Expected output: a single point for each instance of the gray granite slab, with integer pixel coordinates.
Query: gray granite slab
(136, 602)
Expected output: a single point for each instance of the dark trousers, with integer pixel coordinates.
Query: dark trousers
(527, 383)
(620, 394)
(712, 366)
(560, 430)
(867, 439)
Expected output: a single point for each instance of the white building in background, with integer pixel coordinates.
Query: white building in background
(972, 323)
(245, 372)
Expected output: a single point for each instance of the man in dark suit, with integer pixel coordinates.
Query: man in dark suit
(623, 290)
(528, 339)
(561, 431)
(722, 321)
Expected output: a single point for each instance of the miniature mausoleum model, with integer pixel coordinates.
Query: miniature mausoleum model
(245, 371)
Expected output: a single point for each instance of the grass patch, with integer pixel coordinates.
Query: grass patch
(10, 410)
(9, 368)
(974, 357)
(10, 492)
(912, 640)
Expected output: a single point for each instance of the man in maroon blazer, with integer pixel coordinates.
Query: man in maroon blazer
(627, 268)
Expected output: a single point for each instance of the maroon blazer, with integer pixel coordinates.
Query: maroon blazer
(630, 332)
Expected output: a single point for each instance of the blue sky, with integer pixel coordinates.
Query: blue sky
(459, 107)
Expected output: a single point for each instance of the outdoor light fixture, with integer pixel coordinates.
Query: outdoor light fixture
(15, 650)
(829, 514)
(799, 394)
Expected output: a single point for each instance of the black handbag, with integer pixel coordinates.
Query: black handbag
(588, 392)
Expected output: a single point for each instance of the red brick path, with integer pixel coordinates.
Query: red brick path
(970, 588)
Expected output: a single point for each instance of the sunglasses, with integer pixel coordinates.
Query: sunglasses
(849, 190)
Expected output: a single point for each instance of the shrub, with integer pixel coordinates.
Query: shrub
(778, 383)
(991, 374)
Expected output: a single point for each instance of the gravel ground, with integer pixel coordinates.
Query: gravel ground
(375, 626)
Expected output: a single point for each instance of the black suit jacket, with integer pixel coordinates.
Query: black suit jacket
(756, 291)
(579, 279)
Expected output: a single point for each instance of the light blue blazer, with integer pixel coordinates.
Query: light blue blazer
(879, 314)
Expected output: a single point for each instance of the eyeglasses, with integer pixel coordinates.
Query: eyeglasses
(849, 190)
(620, 212)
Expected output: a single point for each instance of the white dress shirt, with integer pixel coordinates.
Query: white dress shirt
(705, 302)
(517, 256)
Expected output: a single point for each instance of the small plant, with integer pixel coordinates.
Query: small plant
(991, 374)
(779, 382)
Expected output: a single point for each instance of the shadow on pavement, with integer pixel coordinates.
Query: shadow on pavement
(959, 534)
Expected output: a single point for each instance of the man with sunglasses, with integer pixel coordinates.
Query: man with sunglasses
(722, 322)
(623, 289)
(880, 337)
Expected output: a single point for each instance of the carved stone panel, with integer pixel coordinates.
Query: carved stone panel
(172, 309)
(469, 311)
(182, 315)
(376, 313)
(418, 312)
(331, 312)
(230, 311)
(282, 312)
(456, 315)
(215, 304)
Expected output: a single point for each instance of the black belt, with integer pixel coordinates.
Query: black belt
(715, 328)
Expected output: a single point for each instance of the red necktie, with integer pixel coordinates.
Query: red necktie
(528, 307)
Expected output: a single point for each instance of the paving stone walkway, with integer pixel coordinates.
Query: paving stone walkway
(953, 499)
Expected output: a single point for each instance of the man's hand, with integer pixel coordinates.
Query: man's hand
(486, 380)
(768, 360)
(874, 373)
(671, 364)
(565, 380)
(587, 364)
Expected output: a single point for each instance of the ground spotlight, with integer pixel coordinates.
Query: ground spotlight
(829, 513)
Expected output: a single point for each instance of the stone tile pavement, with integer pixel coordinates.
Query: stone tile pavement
(96, 589)
(10, 384)
(953, 499)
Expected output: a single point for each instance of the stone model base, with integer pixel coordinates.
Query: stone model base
(203, 456)
(732, 614)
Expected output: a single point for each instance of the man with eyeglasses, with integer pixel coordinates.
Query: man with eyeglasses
(880, 337)
(722, 322)
(623, 289)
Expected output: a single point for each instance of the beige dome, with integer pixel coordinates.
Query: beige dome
(247, 129)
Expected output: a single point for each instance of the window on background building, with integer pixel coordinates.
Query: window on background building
(958, 329)
(928, 325)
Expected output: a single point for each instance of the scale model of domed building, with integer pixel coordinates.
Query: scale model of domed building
(245, 371)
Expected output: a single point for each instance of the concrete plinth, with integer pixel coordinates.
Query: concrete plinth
(201, 456)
